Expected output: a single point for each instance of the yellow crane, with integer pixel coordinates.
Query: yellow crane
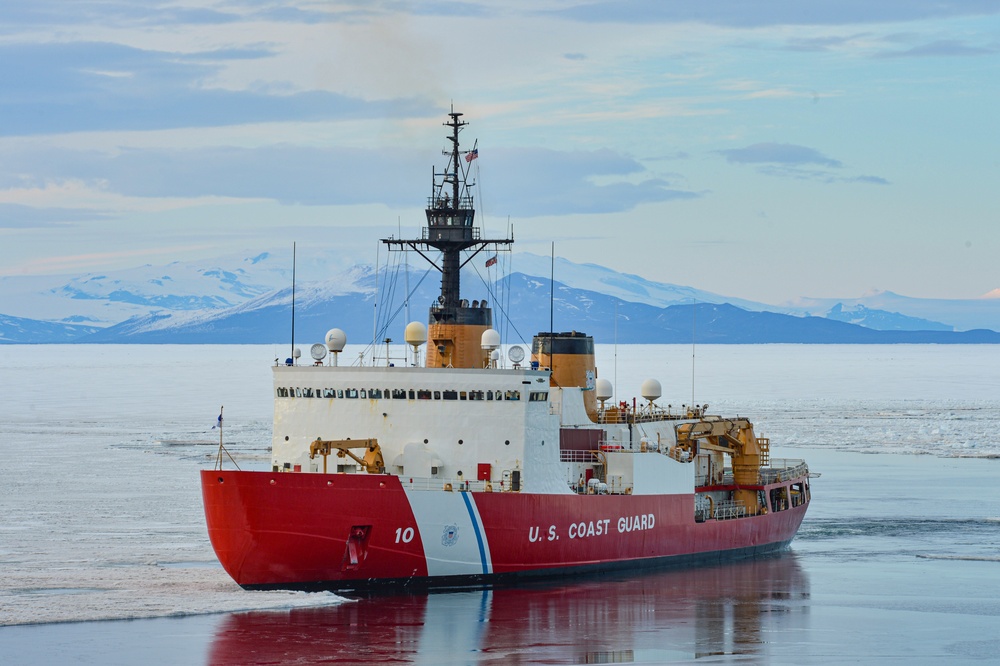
(372, 460)
(736, 438)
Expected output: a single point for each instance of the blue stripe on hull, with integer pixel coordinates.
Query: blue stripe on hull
(478, 531)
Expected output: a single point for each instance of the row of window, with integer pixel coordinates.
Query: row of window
(407, 394)
(780, 496)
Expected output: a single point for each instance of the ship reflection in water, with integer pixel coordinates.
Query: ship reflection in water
(735, 609)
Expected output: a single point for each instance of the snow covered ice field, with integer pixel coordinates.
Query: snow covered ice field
(101, 508)
(101, 518)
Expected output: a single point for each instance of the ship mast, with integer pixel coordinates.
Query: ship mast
(455, 328)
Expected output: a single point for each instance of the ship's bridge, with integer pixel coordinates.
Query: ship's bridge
(443, 214)
(449, 232)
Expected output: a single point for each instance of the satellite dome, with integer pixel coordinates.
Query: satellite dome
(604, 389)
(651, 389)
(490, 339)
(415, 334)
(336, 339)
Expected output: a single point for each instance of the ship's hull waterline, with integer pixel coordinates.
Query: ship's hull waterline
(359, 531)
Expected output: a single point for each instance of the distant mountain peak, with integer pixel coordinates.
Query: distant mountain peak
(882, 320)
(248, 287)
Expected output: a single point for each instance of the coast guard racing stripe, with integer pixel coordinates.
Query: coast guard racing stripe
(451, 532)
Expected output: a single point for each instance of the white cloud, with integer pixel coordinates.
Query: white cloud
(144, 122)
(778, 153)
(738, 13)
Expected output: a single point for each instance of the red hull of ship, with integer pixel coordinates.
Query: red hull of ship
(342, 531)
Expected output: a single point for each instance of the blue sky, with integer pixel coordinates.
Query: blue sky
(767, 150)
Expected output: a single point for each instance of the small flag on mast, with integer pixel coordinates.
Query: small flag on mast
(492, 260)
(472, 154)
(218, 423)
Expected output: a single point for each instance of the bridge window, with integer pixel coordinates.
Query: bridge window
(779, 499)
(450, 395)
(798, 494)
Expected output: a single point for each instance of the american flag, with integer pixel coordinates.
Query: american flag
(492, 260)
(472, 154)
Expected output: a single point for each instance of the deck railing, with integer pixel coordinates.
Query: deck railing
(730, 509)
(456, 484)
(578, 456)
(783, 469)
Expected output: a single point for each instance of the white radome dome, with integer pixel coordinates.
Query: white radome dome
(490, 339)
(604, 389)
(651, 389)
(336, 340)
(415, 334)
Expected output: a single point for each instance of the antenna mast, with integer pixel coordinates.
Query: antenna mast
(694, 313)
(455, 327)
(552, 298)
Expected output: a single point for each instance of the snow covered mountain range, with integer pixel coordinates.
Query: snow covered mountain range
(247, 298)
